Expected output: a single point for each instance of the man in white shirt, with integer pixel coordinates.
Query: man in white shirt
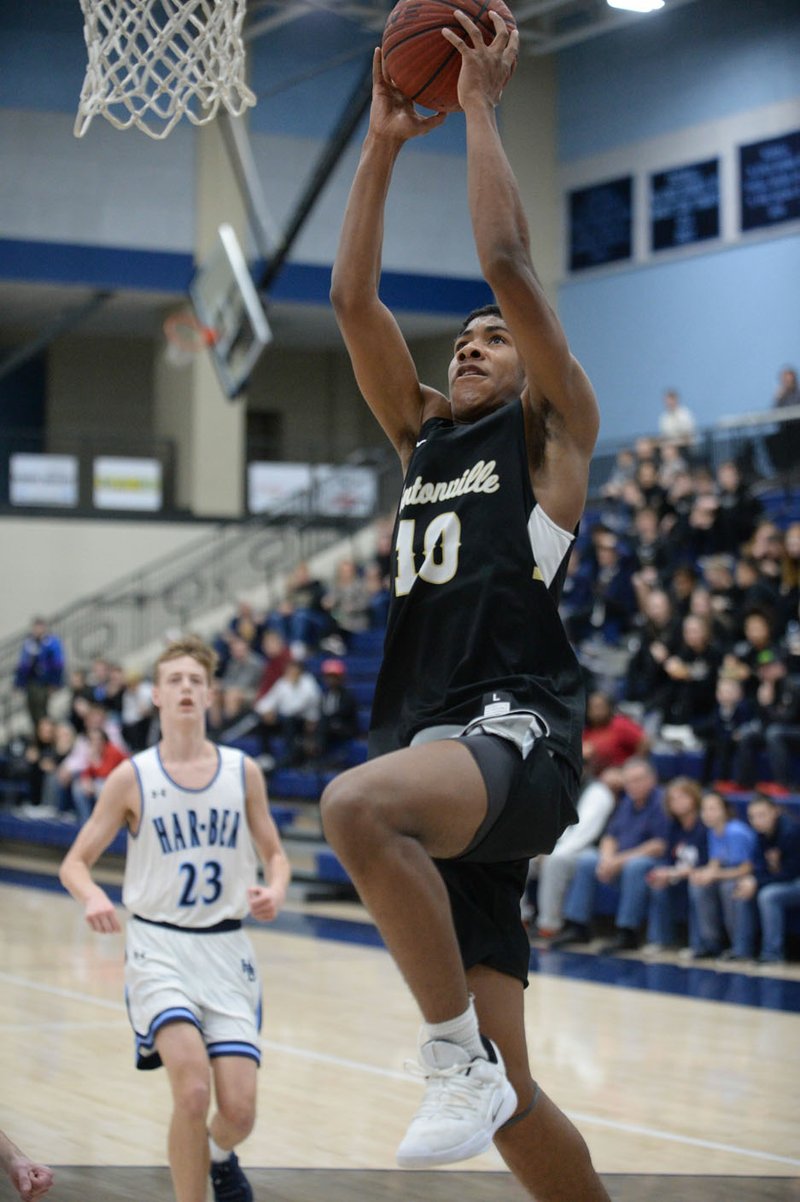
(676, 424)
(554, 872)
(292, 709)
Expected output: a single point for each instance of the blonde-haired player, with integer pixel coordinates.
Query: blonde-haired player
(197, 817)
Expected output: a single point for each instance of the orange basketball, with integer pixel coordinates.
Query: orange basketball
(420, 61)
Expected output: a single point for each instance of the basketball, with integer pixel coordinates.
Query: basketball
(421, 63)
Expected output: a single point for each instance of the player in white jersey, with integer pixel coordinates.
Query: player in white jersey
(197, 817)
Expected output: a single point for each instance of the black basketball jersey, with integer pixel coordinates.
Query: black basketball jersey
(477, 573)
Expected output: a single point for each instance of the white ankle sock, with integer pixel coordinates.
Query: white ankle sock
(462, 1030)
(218, 1154)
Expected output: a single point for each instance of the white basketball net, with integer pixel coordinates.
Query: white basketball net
(151, 61)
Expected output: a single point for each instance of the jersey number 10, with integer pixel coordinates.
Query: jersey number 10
(441, 545)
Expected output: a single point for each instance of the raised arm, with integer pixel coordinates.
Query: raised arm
(381, 360)
(503, 243)
(117, 806)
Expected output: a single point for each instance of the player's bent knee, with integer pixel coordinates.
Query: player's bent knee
(346, 810)
(239, 1116)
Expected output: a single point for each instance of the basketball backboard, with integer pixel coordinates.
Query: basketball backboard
(227, 304)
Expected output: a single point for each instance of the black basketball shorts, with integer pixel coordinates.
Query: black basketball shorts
(531, 801)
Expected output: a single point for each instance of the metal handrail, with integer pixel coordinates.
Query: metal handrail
(179, 589)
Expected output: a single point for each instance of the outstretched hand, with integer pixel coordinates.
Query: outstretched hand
(393, 114)
(485, 70)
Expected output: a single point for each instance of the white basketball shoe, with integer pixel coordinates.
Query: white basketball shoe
(465, 1102)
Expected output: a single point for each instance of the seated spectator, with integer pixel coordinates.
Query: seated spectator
(788, 390)
(697, 533)
(766, 548)
(692, 667)
(383, 549)
(347, 602)
(676, 424)
(790, 576)
(618, 516)
(217, 725)
(723, 731)
(137, 712)
(719, 580)
(623, 471)
(39, 757)
(554, 872)
(291, 709)
(98, 679)
(77, 761)
(758, 647)
(81, 697)
(613, 598)
(776, 729)
(782, 446)
(680, 495)
(653, 495)
(719, 911)
(633, 842)
(681, 586)
(40, 669)
(609, 738)
(244, 624)
(56, 795)
(378, 594)
(701, 605)
(338, 722)
(646, 681)
(102, 760)
(276, 655)
(775, 881)
(650, 550)
(114, 690)
(752, 590)
(300, 617)
(738, 510)
(687, 849)
(575, 606)
(241, 677)
(672, 463)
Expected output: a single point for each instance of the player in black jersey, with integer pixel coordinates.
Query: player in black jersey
(475, 738)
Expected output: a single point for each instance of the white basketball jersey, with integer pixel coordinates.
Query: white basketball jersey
(192, 860)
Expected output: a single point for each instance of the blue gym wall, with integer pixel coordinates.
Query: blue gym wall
(716, 322)
(719, 320)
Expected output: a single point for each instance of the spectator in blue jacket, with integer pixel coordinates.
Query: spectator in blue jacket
(687, 849)
(720, 910)
(775, 880)
(40, 669)
(613, 597)
(634, 841)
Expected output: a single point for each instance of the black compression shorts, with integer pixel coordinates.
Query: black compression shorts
(531, 801)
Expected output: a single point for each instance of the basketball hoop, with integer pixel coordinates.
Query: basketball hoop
(152, 61)
(186, 336)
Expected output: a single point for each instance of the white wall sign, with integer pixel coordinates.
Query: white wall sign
(277, 487)
(121, 483)
(43, 480)
(322, 489)
(345, 491)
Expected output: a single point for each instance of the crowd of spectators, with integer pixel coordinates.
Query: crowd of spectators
(682, 600)
(281, 692)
